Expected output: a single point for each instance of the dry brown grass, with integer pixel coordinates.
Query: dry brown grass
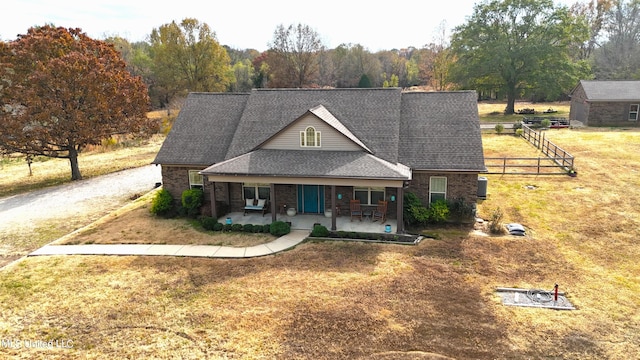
(334, 300)
(98, 160)
(136, 225)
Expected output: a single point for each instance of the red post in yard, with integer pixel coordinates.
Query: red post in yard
(555, 295)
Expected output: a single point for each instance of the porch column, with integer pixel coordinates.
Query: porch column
(400, 210)
(272, 191)
(212, 196)
(333, 207)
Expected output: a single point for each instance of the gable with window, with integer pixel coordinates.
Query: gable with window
(633, 112)
(437, 188)
(196, 181)
(310, 137)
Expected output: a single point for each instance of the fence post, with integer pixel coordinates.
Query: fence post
(504, 165)
(538, 165)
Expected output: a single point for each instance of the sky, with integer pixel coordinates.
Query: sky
(249, 24)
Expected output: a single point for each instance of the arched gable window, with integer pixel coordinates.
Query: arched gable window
(310, 137)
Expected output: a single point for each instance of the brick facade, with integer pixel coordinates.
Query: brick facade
(176, 180)
(601, 113)
(459, 186)
(610, 114)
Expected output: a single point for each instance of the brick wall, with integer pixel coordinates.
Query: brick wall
(175, 179)
(463, 186)
(610, 114)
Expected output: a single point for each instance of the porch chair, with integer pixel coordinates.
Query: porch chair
(356, 211)
(380, 213)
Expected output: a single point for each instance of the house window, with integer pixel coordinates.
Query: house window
(633, 112)
(249, 191)
(196, 181)
(437, 188)
(369, 196)
(310, 137)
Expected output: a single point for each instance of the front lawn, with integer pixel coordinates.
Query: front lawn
(346, 300)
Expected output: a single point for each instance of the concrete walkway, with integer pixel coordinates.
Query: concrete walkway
(288, 241)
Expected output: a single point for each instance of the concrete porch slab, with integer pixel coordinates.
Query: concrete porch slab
(306, 222)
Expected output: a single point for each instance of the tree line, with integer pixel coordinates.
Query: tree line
(507, 49)
(61, 91)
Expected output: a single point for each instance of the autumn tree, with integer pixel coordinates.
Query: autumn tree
(62, 91)
(187, 57)
(293, 56)
(594, 13)
(518, 47)
(437, 60)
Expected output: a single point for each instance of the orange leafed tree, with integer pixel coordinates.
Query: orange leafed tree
(61, 91)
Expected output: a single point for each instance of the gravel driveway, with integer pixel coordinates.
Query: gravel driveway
(68, 206)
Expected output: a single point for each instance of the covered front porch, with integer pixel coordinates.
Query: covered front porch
(310, 182)
(307, 221)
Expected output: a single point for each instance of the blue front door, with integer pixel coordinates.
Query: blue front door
(311, 199)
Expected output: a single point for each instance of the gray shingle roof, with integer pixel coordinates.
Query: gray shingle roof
(422, 130)
(203, 130)
(372, 115)
(305, 163)
(441, 131)
(614, 90)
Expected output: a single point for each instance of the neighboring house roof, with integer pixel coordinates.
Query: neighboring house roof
(613, 90)
(301, 163)
(396, 130)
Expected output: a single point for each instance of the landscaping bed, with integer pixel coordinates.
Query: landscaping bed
(402, 239)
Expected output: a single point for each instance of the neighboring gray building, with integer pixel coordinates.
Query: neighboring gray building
(606, 103)
(313, 149)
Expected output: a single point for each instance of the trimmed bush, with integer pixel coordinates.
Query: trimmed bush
(266, 229)
(517, 126)
(208, 223)
(320, 231)
(545, 123)
(226, 227)
(192, 200)
(461, 211)
(414, 212)
(247, 228)
(257, 229)
(417, 214)
(162, 204)
(218, 226)
(236, 227)
(279, 228)
(439, 212)
(499, 128)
